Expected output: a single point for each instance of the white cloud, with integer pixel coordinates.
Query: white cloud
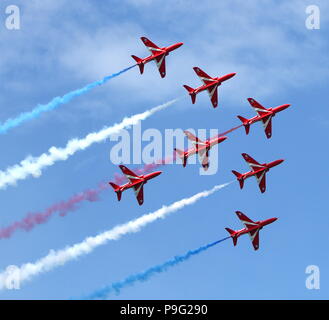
(266, 43)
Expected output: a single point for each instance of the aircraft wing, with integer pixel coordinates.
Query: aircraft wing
(261, 179)
(213, 94)
(139, 192)
(267, 123)
(253, 164)
(131, 176)
(161, 64)
(248, 223)
(204, 158)
(198, 142)
(154, 49)
(205, 78)
(254, 237)
(257, 106)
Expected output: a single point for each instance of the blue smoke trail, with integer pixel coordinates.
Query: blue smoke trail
(54, 103)
(147, 274)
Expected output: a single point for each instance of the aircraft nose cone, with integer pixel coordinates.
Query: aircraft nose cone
(228, 76)
(276, 163)
(176, 45)
(269, 221)
(157, 173)
(285, 106)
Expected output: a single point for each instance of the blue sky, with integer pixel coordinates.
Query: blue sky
(64, 45)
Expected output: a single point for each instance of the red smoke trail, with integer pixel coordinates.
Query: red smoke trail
(91, 195)
(32, 219)
(63, 208)
(229, 131)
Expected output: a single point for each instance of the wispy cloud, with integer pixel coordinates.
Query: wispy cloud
(267, 59)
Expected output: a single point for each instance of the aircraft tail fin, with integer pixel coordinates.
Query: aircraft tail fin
(182, 155)
(139, 63)
(245, 123)
(232, 234)
(116, 189)
(191, 93)
(239, 177)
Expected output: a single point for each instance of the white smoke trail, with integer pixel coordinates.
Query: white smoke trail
(34, 165)
(61, 257)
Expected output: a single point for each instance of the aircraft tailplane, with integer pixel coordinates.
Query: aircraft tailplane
(191, 93)
(245, 123)
(232, 234)
(182, 155)
(139, 63)
(239, 177)
(116, 189)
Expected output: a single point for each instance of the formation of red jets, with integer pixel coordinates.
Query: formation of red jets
(202, 148)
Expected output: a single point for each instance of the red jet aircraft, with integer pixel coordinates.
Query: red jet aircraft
(135, 181)
(258, 170)
(201, 148)
(251, 227)
(157, 54)
(210, 84)
(264, 115)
